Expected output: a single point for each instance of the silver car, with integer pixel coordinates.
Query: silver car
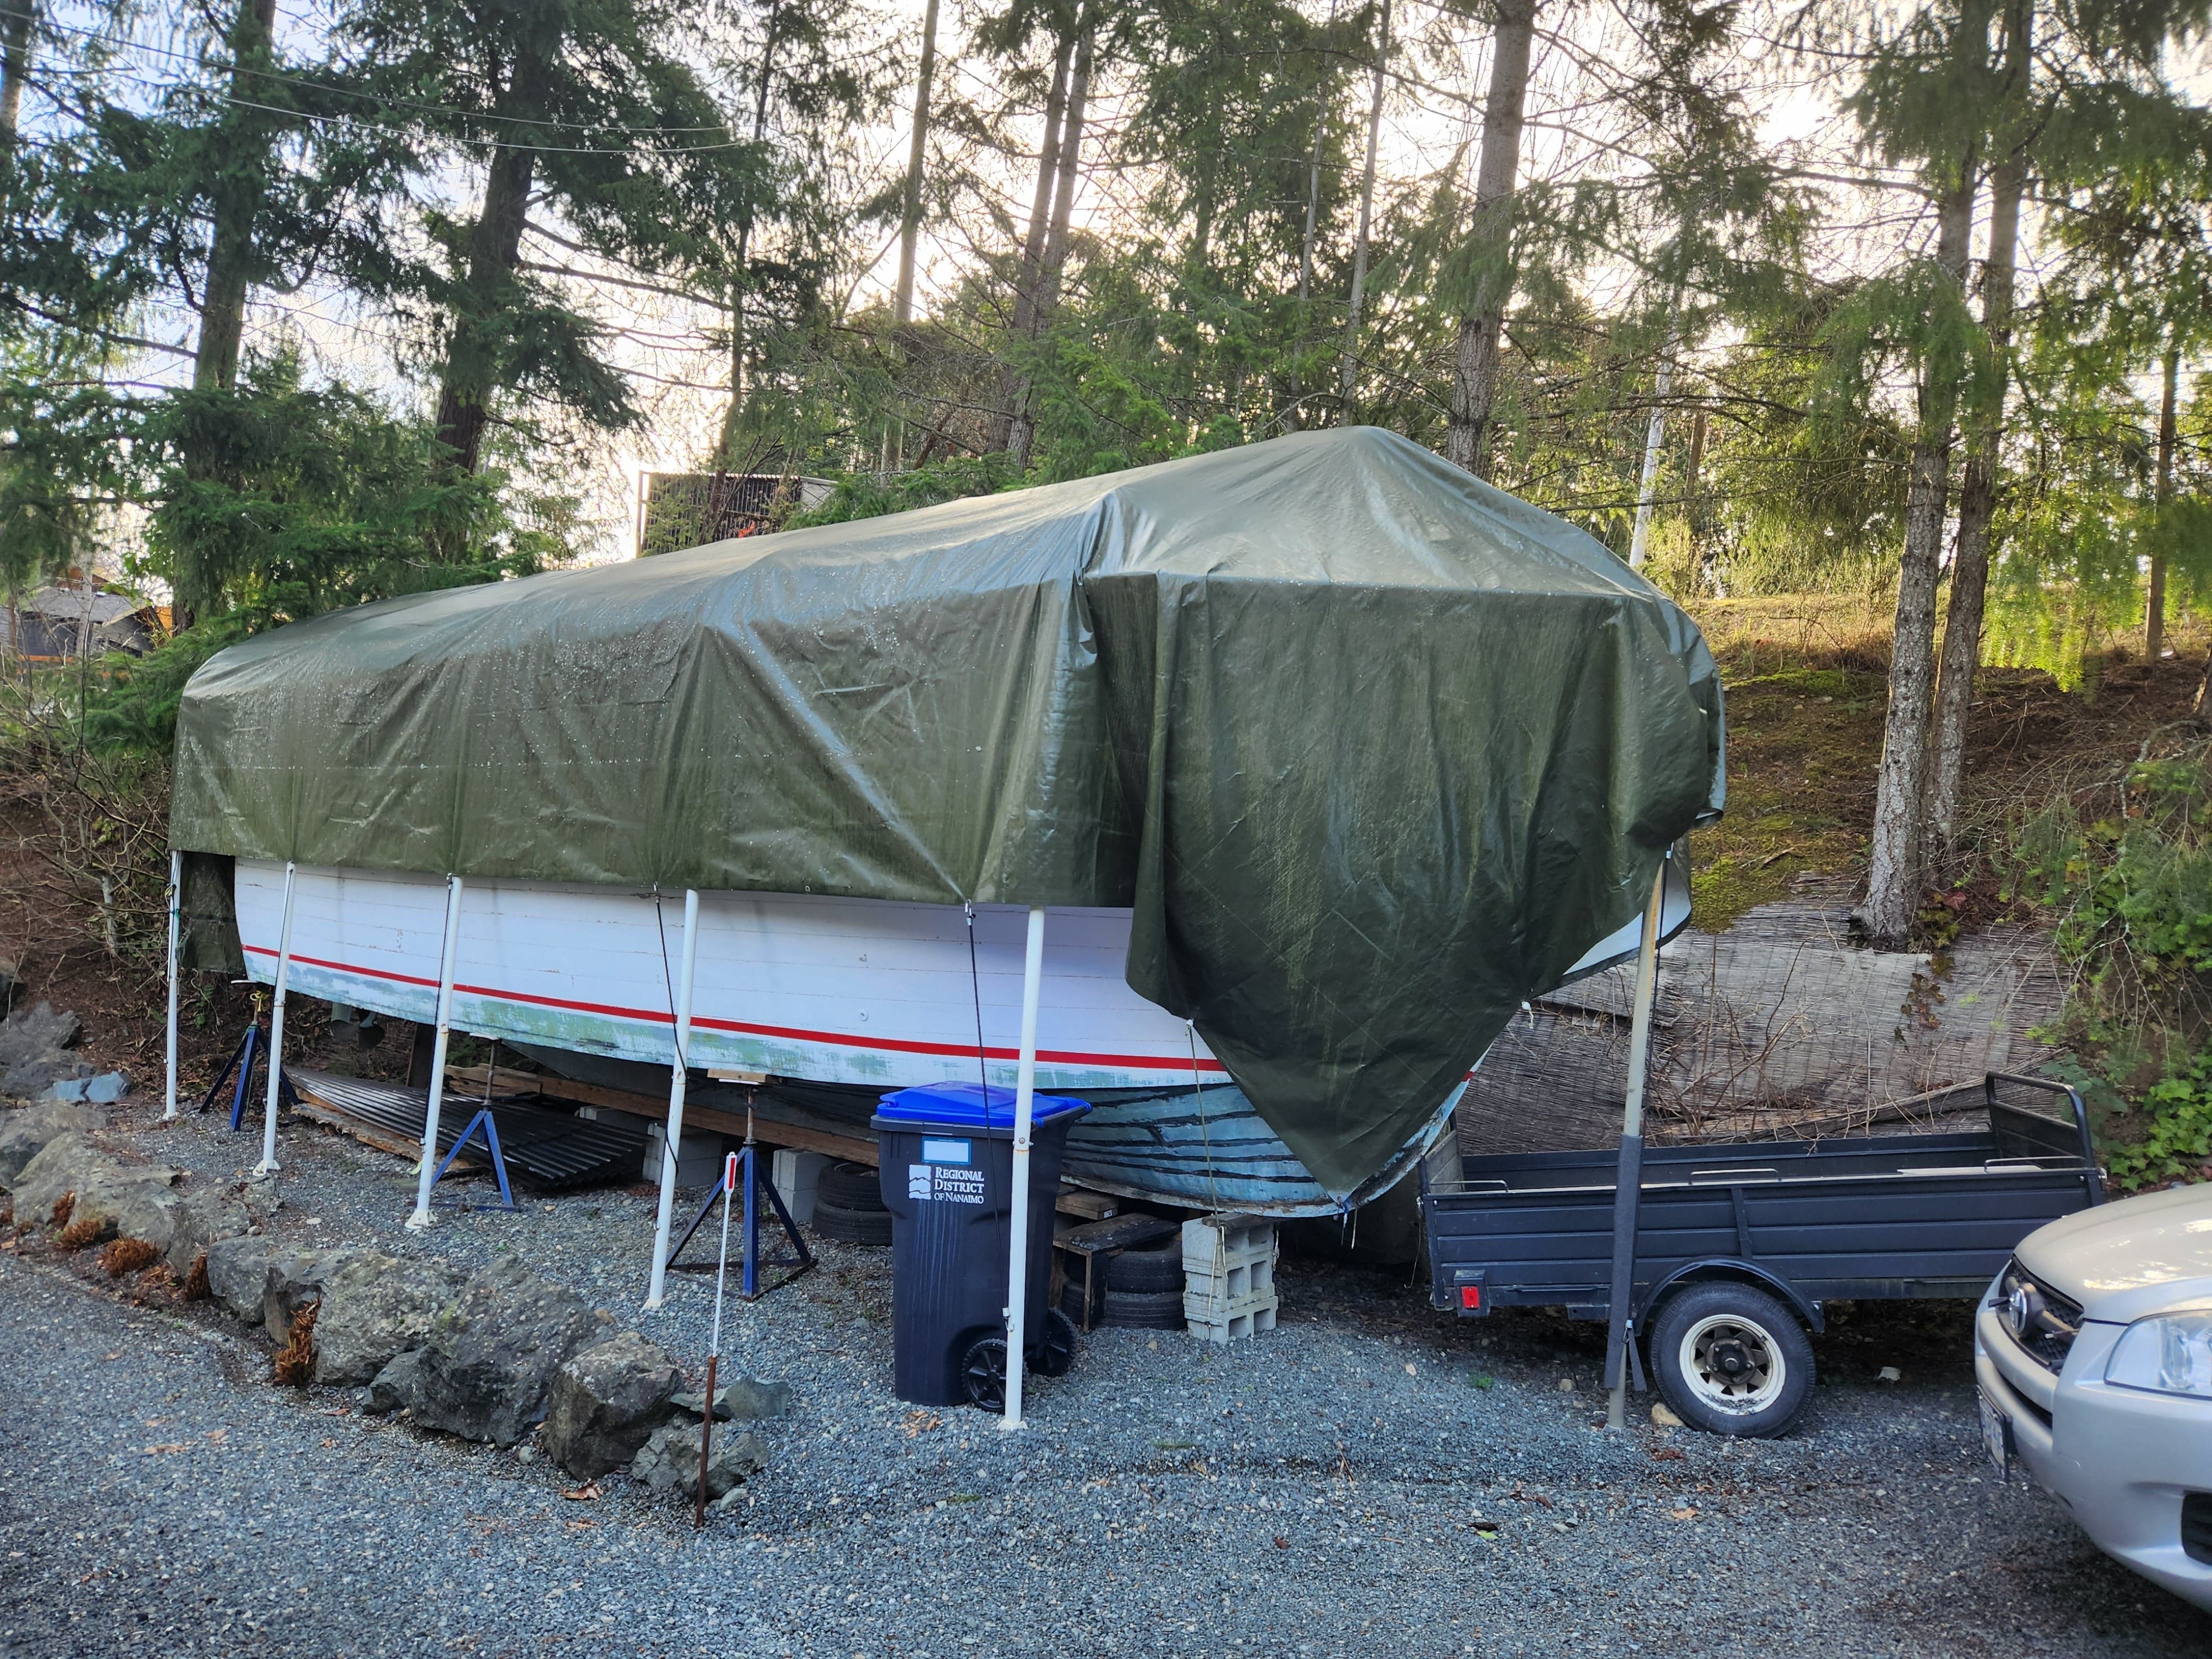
(2093, 1351)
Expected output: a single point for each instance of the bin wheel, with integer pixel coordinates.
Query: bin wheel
(984, 1373)
(1054, 1353)
(1731, 1360)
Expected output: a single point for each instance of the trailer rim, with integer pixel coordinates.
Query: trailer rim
(1733, 1364)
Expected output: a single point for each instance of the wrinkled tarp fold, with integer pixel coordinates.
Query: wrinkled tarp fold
(1374, 751)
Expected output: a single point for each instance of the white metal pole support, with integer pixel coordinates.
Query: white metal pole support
(1017, 1248)
(176, 905)
(268, 1164)
(1629, 1171)
(449, 952)
(671, 1142)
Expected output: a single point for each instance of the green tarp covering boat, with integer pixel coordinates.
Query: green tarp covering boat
(1371, 752)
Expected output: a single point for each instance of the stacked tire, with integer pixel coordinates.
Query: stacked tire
(849, 1206)
(1144, 1288)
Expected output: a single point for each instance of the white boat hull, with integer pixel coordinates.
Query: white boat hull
(838, 990)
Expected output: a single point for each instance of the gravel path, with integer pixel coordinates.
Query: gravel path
(1339, 1486)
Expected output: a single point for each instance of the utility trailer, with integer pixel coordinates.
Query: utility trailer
(1739, 1245)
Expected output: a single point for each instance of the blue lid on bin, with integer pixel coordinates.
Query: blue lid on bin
(970, 1106)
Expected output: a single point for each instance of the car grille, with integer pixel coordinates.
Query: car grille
(2197, 1525)
(2039, 1319)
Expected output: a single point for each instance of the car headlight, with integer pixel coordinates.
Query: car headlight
(2171, 1353)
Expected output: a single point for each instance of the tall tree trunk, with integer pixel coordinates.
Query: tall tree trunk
(741, 267)
(1024, 435)
(495, 245)
(1026, 291)
(15, 68)
(1893, 865)
(1313, 187)
(2162, 493)
(1070, 179)
(1348, 375)
(1654, 436)
(1475, 362)
(239, 189)
(910, 217)
(1978, 483)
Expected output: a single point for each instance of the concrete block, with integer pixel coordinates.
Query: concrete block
(698, 1159)
(798, 1177)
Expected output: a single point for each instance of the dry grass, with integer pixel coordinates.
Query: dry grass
(81, 1235)
(128, 1256)
(295, 1361)
(195, 1287)
(64, 1207)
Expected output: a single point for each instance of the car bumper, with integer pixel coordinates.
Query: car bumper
(2119, 1459)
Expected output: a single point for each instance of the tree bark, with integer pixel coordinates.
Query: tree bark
(741, 268)
(910, 218)
(1026, 291)
(1978, 483)
(1893, 865)
(1069, 180)
(1475, 362)
(239, 189)
(2162, 493)
(1348, 375)
(1654, 436)
(15, 69)
(1313, 184)
(1023, 435)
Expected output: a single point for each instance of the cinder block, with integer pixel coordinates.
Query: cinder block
(1224, 1325)
(1214, 1244)
(798, 1177)
(698, 1159)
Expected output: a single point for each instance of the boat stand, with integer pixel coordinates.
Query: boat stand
(252, 1049)
(483, 1120)
(753, 1184)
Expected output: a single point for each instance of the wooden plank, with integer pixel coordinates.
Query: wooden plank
(1092, 1206)
(367, 1133)
(1118, 1234)
(766, 1130)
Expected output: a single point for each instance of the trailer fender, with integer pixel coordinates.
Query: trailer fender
(1729, 1266)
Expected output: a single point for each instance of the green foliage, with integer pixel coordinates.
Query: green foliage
(869, 496)
(2133, 898)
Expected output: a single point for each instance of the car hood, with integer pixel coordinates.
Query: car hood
(2124, 1261)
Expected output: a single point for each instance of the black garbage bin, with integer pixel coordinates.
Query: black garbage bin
(948, 1173)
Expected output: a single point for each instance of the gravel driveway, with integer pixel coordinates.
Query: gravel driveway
(1368, 1478)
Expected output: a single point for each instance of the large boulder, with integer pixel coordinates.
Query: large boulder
(64, 1165)
(669, 1463)
(296, 1279)
(374, 1309)
(206, 1215)
(748, 1399)
(115, 1200)
(26, 1131)
(398, 1385)
(493, 1352)
(606, 1402)
(32, 1051)
(237, 1274)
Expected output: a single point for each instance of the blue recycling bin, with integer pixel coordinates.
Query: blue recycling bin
(947, 1153)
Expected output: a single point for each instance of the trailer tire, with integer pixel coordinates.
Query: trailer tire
(1146, 1271)
(849, 1186)
(1731, 1360)
(851, 1226)
(1145, 1310)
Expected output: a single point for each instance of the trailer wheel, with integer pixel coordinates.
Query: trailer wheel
(1731, 1360)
